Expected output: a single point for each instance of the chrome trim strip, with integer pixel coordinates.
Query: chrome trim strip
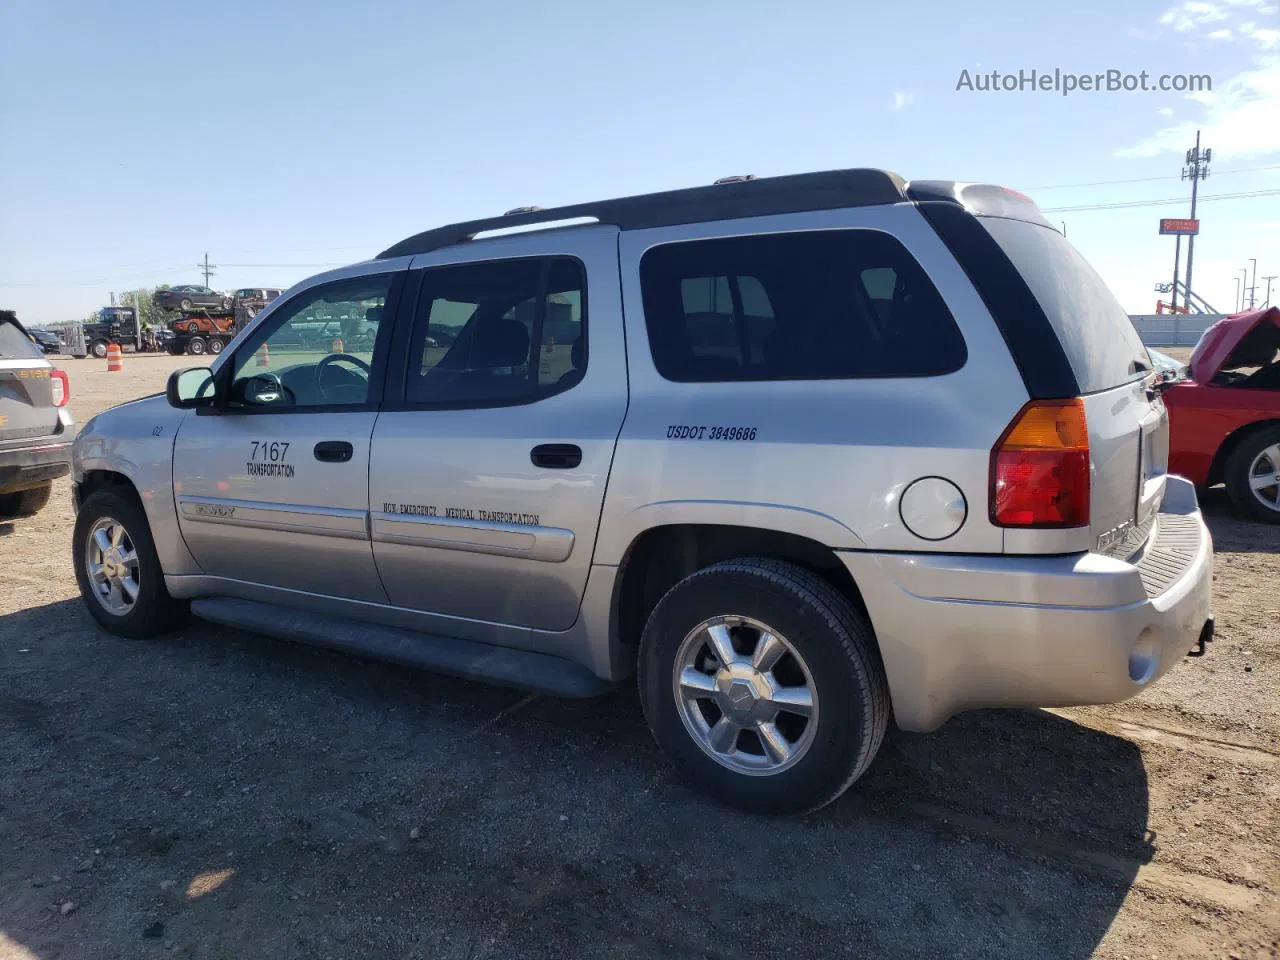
(547, 544)
(288, 517)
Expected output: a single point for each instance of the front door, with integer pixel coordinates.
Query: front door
(272, 485)
(488, 475)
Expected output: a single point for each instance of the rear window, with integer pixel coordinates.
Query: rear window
(14, 344)
(1099, 339)
(833, 304)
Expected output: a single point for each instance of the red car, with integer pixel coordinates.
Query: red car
(1224, 416)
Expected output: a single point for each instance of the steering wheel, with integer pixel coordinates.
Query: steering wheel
(318, 375)
(268, 389)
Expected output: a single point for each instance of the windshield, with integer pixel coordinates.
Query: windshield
(1099, 339)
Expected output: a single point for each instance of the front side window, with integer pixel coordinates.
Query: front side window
(317, 350)
(500, 332)
(818, 305)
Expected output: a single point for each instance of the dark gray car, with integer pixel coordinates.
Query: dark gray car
(35, 425)
(191, 297)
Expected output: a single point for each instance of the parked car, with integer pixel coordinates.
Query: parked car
(191, 297)
(35, 424)
(1225, 413)
(257, 296)
(863, 448)
(47, 340)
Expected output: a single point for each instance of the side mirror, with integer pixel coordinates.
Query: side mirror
(193, 387)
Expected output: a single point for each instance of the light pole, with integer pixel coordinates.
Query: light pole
(1236, 301)
(1244, 285)
(1267, 302)
(1253, 287)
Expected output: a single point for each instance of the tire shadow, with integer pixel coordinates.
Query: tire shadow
(327, 791)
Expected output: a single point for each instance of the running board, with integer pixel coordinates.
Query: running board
(505, 666)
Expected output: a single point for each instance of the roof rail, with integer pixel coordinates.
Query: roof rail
(756, 197)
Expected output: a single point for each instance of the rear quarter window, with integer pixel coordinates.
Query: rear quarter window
(14, 343)
(812, 305)
(1096, 334)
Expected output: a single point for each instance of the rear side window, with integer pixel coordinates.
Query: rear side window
(817, 305)
(498, 333)
(14, 344)
(1096, 334)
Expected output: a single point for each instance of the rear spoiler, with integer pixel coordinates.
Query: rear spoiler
(979, 199)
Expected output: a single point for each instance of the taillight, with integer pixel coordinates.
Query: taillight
(1040, 467)
(61, 387)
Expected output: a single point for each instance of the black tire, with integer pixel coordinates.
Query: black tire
(154, 612)
(835, 642)
(226, 303)
(98, 348)
(215, 346)
(196, 346)
(1237, 470)
(25, 503)
(185, 304)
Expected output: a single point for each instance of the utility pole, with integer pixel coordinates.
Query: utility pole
(209, 269)
(1177, 259)
(1253, 287)
(1266, 303)
(1197, 169)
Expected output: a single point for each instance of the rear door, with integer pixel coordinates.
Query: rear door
(1128, 423)
(491, 456)
(26, 390)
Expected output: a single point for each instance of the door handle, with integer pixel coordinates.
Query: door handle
(556, 456)
(333, 451)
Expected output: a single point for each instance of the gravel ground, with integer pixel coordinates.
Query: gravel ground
(217, 794)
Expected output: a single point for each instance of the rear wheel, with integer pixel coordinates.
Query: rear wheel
(24, 503)
(215, 346)
(186, 304)
(763, 685)
(1252, 474)
(98, 348)
(196, 346)
(118, 570)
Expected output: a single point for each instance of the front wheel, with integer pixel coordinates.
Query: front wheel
(185, 305)
(1252, 474)
(98, 348)
(118, 570)
(763, 685)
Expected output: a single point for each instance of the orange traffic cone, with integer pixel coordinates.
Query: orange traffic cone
(336, 346)
(264, 356)
(115, 361)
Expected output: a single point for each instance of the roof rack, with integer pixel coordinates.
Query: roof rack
(755, 197)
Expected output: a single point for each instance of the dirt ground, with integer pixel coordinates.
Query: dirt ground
(221, 795)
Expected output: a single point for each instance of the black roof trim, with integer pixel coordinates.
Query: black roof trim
(980, 199)
(795, 193)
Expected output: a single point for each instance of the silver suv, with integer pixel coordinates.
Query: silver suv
(803, 453)
(35, 424)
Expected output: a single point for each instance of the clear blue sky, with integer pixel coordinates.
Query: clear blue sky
(287, 137)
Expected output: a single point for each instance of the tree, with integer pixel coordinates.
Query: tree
(144, 301)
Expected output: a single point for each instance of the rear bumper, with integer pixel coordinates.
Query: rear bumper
(35, 462)
(963, 632)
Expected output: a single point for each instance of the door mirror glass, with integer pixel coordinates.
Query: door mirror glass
(193, 387)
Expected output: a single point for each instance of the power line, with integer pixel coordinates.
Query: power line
(1108, 183)
(1133, 204)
